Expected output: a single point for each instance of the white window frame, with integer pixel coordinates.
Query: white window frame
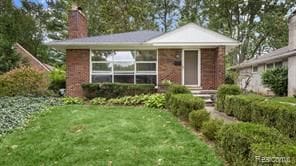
(135, 62)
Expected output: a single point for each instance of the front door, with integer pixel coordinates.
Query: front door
(190, 67)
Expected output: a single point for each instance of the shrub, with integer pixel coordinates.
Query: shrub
(175, 89)
(196, 118)
(230, 77)
(224, 90)
(240, 106)
(155, 101)
(129, 100)
(277, 80)
(24, 81)
(15, 111)
(72, 100)
(57, 79)
(210, 128)
(99, 101)
(275, 114)
(110, 90)
(134, 100)
(283, 154)
(235, 140)
(182, 104)
(115, 101)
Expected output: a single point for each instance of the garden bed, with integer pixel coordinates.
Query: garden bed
(15, 111)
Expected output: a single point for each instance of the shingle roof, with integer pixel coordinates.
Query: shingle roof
(128, 37)
(276, 54)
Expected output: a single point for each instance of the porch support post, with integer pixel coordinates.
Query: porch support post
(220, 66)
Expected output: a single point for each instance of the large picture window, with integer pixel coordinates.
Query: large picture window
(138, 66)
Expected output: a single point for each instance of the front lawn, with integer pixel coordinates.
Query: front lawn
(92, 135)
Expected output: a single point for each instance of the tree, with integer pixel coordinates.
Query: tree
(260, 26)
(33, 31)
(256, 24)
(192, 12)
(114, 16)
(8, 33)
(166, 13)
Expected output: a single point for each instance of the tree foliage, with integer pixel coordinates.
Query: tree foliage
(260, 26)
(8, 18)
(276, 80)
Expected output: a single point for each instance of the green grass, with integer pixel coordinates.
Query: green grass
(92, 135)
(285, 99)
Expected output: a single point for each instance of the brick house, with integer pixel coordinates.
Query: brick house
(190, 55)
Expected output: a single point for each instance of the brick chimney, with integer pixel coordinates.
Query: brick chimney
(292, 31)
(77, 23)
(77, 60)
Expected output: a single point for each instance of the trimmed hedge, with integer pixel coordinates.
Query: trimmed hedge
(182, 104)
(196, 118)
(114, 90)
(175, 89)
(252, 108)
(211, 127)
(275, 114)
(224, 90)
(273, 154)
(240, 106)
(235, 140)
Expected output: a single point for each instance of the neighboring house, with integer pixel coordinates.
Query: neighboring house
(190, 55)
(284, 57)
(31, 60)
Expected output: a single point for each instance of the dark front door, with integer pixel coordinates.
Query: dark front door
(191, 67)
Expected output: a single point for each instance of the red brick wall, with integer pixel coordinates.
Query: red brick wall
(167, 70)
(220, 66)
(212, 67)
(77, 27)
(77, 71)
(208, 57)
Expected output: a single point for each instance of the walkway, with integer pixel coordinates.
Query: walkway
(220, 115)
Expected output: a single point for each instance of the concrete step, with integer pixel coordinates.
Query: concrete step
(204, 96)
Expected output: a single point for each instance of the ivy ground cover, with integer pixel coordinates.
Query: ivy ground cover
(92, 135)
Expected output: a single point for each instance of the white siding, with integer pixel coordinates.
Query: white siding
(292, 76)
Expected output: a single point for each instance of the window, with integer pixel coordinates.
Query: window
(269, 66)
(137, 66)
(273, 65)
(255, 69)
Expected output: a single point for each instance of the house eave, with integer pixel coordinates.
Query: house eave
(263, 60)
(126, 45)
(197, 44)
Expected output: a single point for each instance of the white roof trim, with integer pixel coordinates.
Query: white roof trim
(192, 33)
(35, 59)
(263, 60)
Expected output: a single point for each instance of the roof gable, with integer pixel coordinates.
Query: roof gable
(192, 33)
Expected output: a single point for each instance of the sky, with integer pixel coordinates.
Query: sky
(18, 3)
